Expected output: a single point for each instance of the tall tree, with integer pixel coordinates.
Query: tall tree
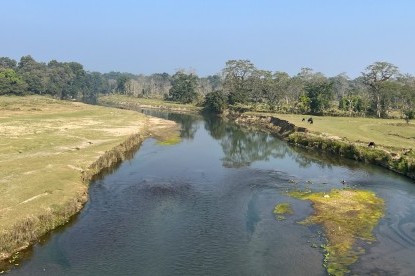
(236, 75)
(375, 76)
(183, 87)
(320, 94)
(34, 74)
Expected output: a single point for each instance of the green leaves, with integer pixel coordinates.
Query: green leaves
(183, 88)
(11, 83)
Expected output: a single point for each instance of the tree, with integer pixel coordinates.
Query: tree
(280, 85)
(320, 94)
(11, 83)
(34, 74)
(122, 84)
(8, 63)
(375, 76)
(59, 76)
(341, 85)
(406, 97)
(216, 102)
(236, 75)
(183, 88)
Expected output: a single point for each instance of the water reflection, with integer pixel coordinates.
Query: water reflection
(179, 211)
(187, 122)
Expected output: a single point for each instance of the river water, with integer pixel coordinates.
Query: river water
(204, 207)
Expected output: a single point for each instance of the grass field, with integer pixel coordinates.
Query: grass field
(132, 102)
(390, 133)
(45, 147)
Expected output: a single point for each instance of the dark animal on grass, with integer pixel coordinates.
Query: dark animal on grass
(303, 120)
(371, 145)
(310, 120)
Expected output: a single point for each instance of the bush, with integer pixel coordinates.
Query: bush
(215, 102)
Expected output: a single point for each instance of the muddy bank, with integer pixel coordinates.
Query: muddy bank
(402, 162)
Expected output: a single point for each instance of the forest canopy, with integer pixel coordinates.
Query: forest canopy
(380, 91)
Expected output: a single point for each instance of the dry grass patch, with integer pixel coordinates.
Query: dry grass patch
(46, 148)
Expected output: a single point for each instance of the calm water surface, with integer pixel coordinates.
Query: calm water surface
(204, 207)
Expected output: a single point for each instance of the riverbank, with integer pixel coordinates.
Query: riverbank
(348, 137)
(50, 150)
(126, 102)
(392, 138)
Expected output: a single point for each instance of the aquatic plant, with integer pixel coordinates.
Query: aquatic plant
(282, 209)
(346, 217)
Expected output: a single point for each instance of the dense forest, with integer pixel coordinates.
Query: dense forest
(381, 90)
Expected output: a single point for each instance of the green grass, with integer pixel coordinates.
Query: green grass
(389, 133)
(47, 149)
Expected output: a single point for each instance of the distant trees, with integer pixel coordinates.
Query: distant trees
(183, 88)
(377, 77)
(320, 94)
(237, 77)
(380, 91)
(63, 80)
(11, 83)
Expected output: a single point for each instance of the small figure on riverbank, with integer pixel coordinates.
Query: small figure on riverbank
(371, 145)
(310, 120)
(303, 120)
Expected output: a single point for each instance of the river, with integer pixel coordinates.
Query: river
(204, 207)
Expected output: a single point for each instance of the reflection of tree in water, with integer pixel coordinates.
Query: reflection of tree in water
(187, 122)
(215, 126)
(241, 148)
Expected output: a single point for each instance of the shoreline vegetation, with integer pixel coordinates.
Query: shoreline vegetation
(50, 151)
(78, 138)
(393, 139)
(343, 229)
(348, 137)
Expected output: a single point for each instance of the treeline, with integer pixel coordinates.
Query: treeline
(69, 80)
(63, 80)
(381, 90)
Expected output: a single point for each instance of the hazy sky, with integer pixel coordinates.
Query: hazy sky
(155, 36)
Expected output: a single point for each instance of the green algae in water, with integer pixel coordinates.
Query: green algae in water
(346, 217)
(282, 209)
(169, 141)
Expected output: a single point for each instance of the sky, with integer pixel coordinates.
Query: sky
(156, 36)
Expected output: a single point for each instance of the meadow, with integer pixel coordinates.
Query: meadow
(48, 153)
(393, 134)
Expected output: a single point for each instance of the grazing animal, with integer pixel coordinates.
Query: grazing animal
(371, 145)
(303, 120)
(310, 120)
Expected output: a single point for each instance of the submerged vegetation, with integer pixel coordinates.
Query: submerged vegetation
(347, 216)
(282, 209)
